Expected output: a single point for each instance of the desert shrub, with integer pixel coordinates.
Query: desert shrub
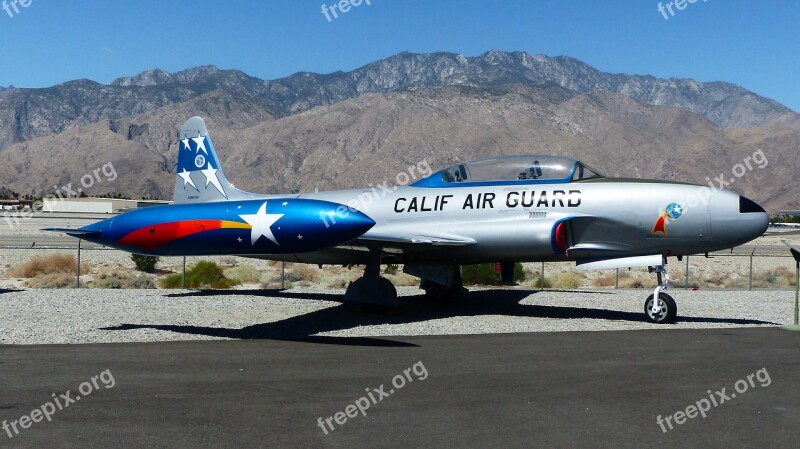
(630, 282)
(140, 282)
(783, 277)
(51, 280)
(276, 284)
(607, 280)
(144, 263)
(53, 263)
(121, 279)
(339, 283)
(301, 273)
(484, 274)
(390, 269)
(403, 280)
(108, 282)
(568, 280)
(716, 280)
(537, 282)
(780, 277)
(203, 274)
(243, 274)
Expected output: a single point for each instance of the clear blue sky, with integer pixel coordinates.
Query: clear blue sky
(755, 44)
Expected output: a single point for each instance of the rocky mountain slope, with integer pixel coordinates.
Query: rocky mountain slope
(351, 129)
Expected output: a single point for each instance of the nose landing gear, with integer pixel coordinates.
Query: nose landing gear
(663, 309)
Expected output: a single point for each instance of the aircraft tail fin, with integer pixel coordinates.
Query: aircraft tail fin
(199, 175)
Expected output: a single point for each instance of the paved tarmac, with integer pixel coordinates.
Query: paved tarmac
(577, 389)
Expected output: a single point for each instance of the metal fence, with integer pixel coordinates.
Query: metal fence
(744, 268)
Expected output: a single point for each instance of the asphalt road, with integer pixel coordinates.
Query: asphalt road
(596, 389)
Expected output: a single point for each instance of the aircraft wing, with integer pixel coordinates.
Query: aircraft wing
(596, 249)
(416, 239)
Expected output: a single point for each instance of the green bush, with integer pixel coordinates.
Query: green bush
(143, 263)
(484, 274)
(203, 275)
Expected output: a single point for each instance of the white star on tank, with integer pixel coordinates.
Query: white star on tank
(262, 223)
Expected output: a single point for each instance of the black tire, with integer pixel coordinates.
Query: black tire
(360, 288)
(436, 292)
(669, 310)
(387, 288)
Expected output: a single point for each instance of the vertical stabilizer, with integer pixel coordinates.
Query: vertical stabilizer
(200, 178)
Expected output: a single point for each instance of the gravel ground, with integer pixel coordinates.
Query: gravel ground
(104, 316)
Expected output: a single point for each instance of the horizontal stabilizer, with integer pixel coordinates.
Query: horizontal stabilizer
(622, 262)
(74, 232)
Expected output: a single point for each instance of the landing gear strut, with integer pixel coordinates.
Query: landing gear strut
(372, 289)
(662, 310)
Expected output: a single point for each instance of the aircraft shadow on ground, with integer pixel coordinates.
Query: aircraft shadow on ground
(413, 309)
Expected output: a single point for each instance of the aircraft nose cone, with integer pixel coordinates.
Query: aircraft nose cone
(736, 220)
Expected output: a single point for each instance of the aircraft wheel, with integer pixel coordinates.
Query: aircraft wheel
(436, 292)
(376, 295)
(668, 309)
(388, 289)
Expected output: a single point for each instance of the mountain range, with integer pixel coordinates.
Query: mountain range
(350, 129)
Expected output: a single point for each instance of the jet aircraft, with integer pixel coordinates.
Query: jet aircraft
(506, 209)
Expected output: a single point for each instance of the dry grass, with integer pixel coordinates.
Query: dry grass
(300, 272)
(339, 282)
(403, 280)
(568, 280)
(780, 277)
(608, 280)
(245, 274)
(631, 282)
(110, 278)
(54, 263)
(51, 280)
(274, 284)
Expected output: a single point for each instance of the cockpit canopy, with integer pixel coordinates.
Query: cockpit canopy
(524, 169)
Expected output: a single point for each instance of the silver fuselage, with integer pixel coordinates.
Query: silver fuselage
(607, 218)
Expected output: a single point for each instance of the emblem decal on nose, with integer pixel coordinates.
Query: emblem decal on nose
(673, 211)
